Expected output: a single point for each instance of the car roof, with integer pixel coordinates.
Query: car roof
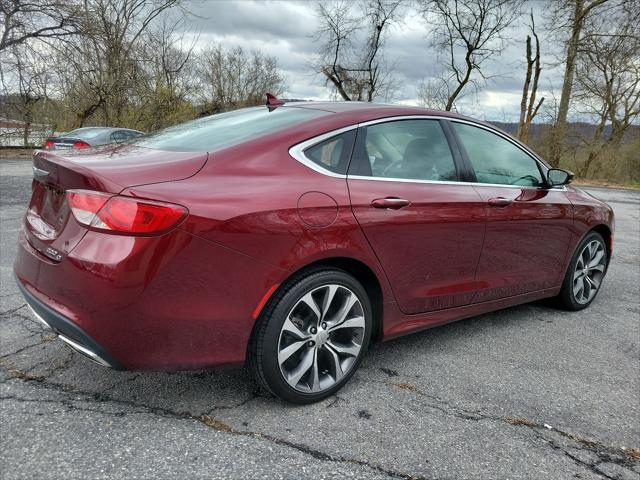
(369, 110)
(107, 129)
(373, 110)
(343, 107)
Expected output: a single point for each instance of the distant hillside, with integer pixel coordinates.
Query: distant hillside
(575, 130)
(10, 112)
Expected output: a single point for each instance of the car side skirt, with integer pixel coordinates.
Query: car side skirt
(397, 324)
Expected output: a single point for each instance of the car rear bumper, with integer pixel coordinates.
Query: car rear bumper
(173, 302)
(69, 332)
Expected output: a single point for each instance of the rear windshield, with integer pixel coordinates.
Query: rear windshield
(84, 133)
(226, 129)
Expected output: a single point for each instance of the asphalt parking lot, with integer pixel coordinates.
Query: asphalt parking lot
(528, 392)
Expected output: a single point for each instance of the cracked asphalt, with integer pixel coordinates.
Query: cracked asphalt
(528, 392)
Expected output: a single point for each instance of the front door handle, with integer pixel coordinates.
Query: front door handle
(390, 202)
(499, 202)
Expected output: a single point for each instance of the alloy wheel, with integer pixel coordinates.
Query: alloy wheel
(321, 338)
(589, 272)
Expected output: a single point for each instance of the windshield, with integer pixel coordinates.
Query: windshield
(224, 130)
(84, 133)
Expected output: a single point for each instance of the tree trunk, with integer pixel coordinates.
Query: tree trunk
(461, 83)
(338, 84)
(84, 115)
(559, 128)
(27, 119)
(525, 93)
(580, 12)
(533, 111)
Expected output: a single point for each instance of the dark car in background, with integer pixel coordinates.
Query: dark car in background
(90, 137)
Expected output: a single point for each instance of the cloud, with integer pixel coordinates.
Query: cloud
(284, 30)
(265, 21)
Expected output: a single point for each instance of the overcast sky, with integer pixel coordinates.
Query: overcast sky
(284, 30)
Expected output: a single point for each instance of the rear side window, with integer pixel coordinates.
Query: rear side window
(333, 154)
(120, 136)
(495, 159)
(225, 130)
(405, 149)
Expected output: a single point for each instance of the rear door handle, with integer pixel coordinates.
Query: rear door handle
(499, 202)
(390, 202)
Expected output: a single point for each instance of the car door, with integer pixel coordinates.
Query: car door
(528, 224)
(425, 226)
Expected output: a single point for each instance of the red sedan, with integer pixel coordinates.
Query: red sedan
(290, 237)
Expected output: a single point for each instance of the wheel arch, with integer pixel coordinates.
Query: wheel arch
(359, 270)
(606, 233)
(367, 277)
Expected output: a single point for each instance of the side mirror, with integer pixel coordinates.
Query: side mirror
(557, 177)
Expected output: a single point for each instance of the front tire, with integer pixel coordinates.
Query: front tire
(312, 336)
(585, 273)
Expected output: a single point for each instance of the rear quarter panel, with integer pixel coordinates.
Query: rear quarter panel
(248, 199)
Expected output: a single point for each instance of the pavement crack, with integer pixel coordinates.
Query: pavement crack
(335, 401)
(622, 456)
(44, 340)
(205, 419)
(13, 310)
(70, 405)
(317, 454)
(592, 467)
(252, 396)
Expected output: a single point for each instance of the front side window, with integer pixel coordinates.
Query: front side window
(496, 160)
(332, 154)
(405, 149)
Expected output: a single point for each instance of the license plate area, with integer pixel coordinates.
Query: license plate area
(48, 210)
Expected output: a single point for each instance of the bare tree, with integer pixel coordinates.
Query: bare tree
(577, 12)
(431, 94)
(23, 20)
(167, 61)
(102, 68)
(26, 88)
(528, 106)
(608, 79)
(236, 78)
(473, 28)
(337, 29)
(356, 70)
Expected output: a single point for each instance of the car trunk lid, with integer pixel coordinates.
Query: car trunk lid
(49, 225)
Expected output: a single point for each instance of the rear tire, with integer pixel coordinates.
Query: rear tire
(585, 274)
(312, 335)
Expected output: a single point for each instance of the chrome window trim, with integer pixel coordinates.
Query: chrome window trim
(406, 180)
(448, 182)
(297, 152)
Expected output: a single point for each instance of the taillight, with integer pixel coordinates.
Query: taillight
(49, 144)
(125, 215)
(80, 144)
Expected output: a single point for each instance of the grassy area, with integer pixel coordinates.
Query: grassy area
(606, 183)
(15, 152)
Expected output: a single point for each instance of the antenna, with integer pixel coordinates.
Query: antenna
(273, 101)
